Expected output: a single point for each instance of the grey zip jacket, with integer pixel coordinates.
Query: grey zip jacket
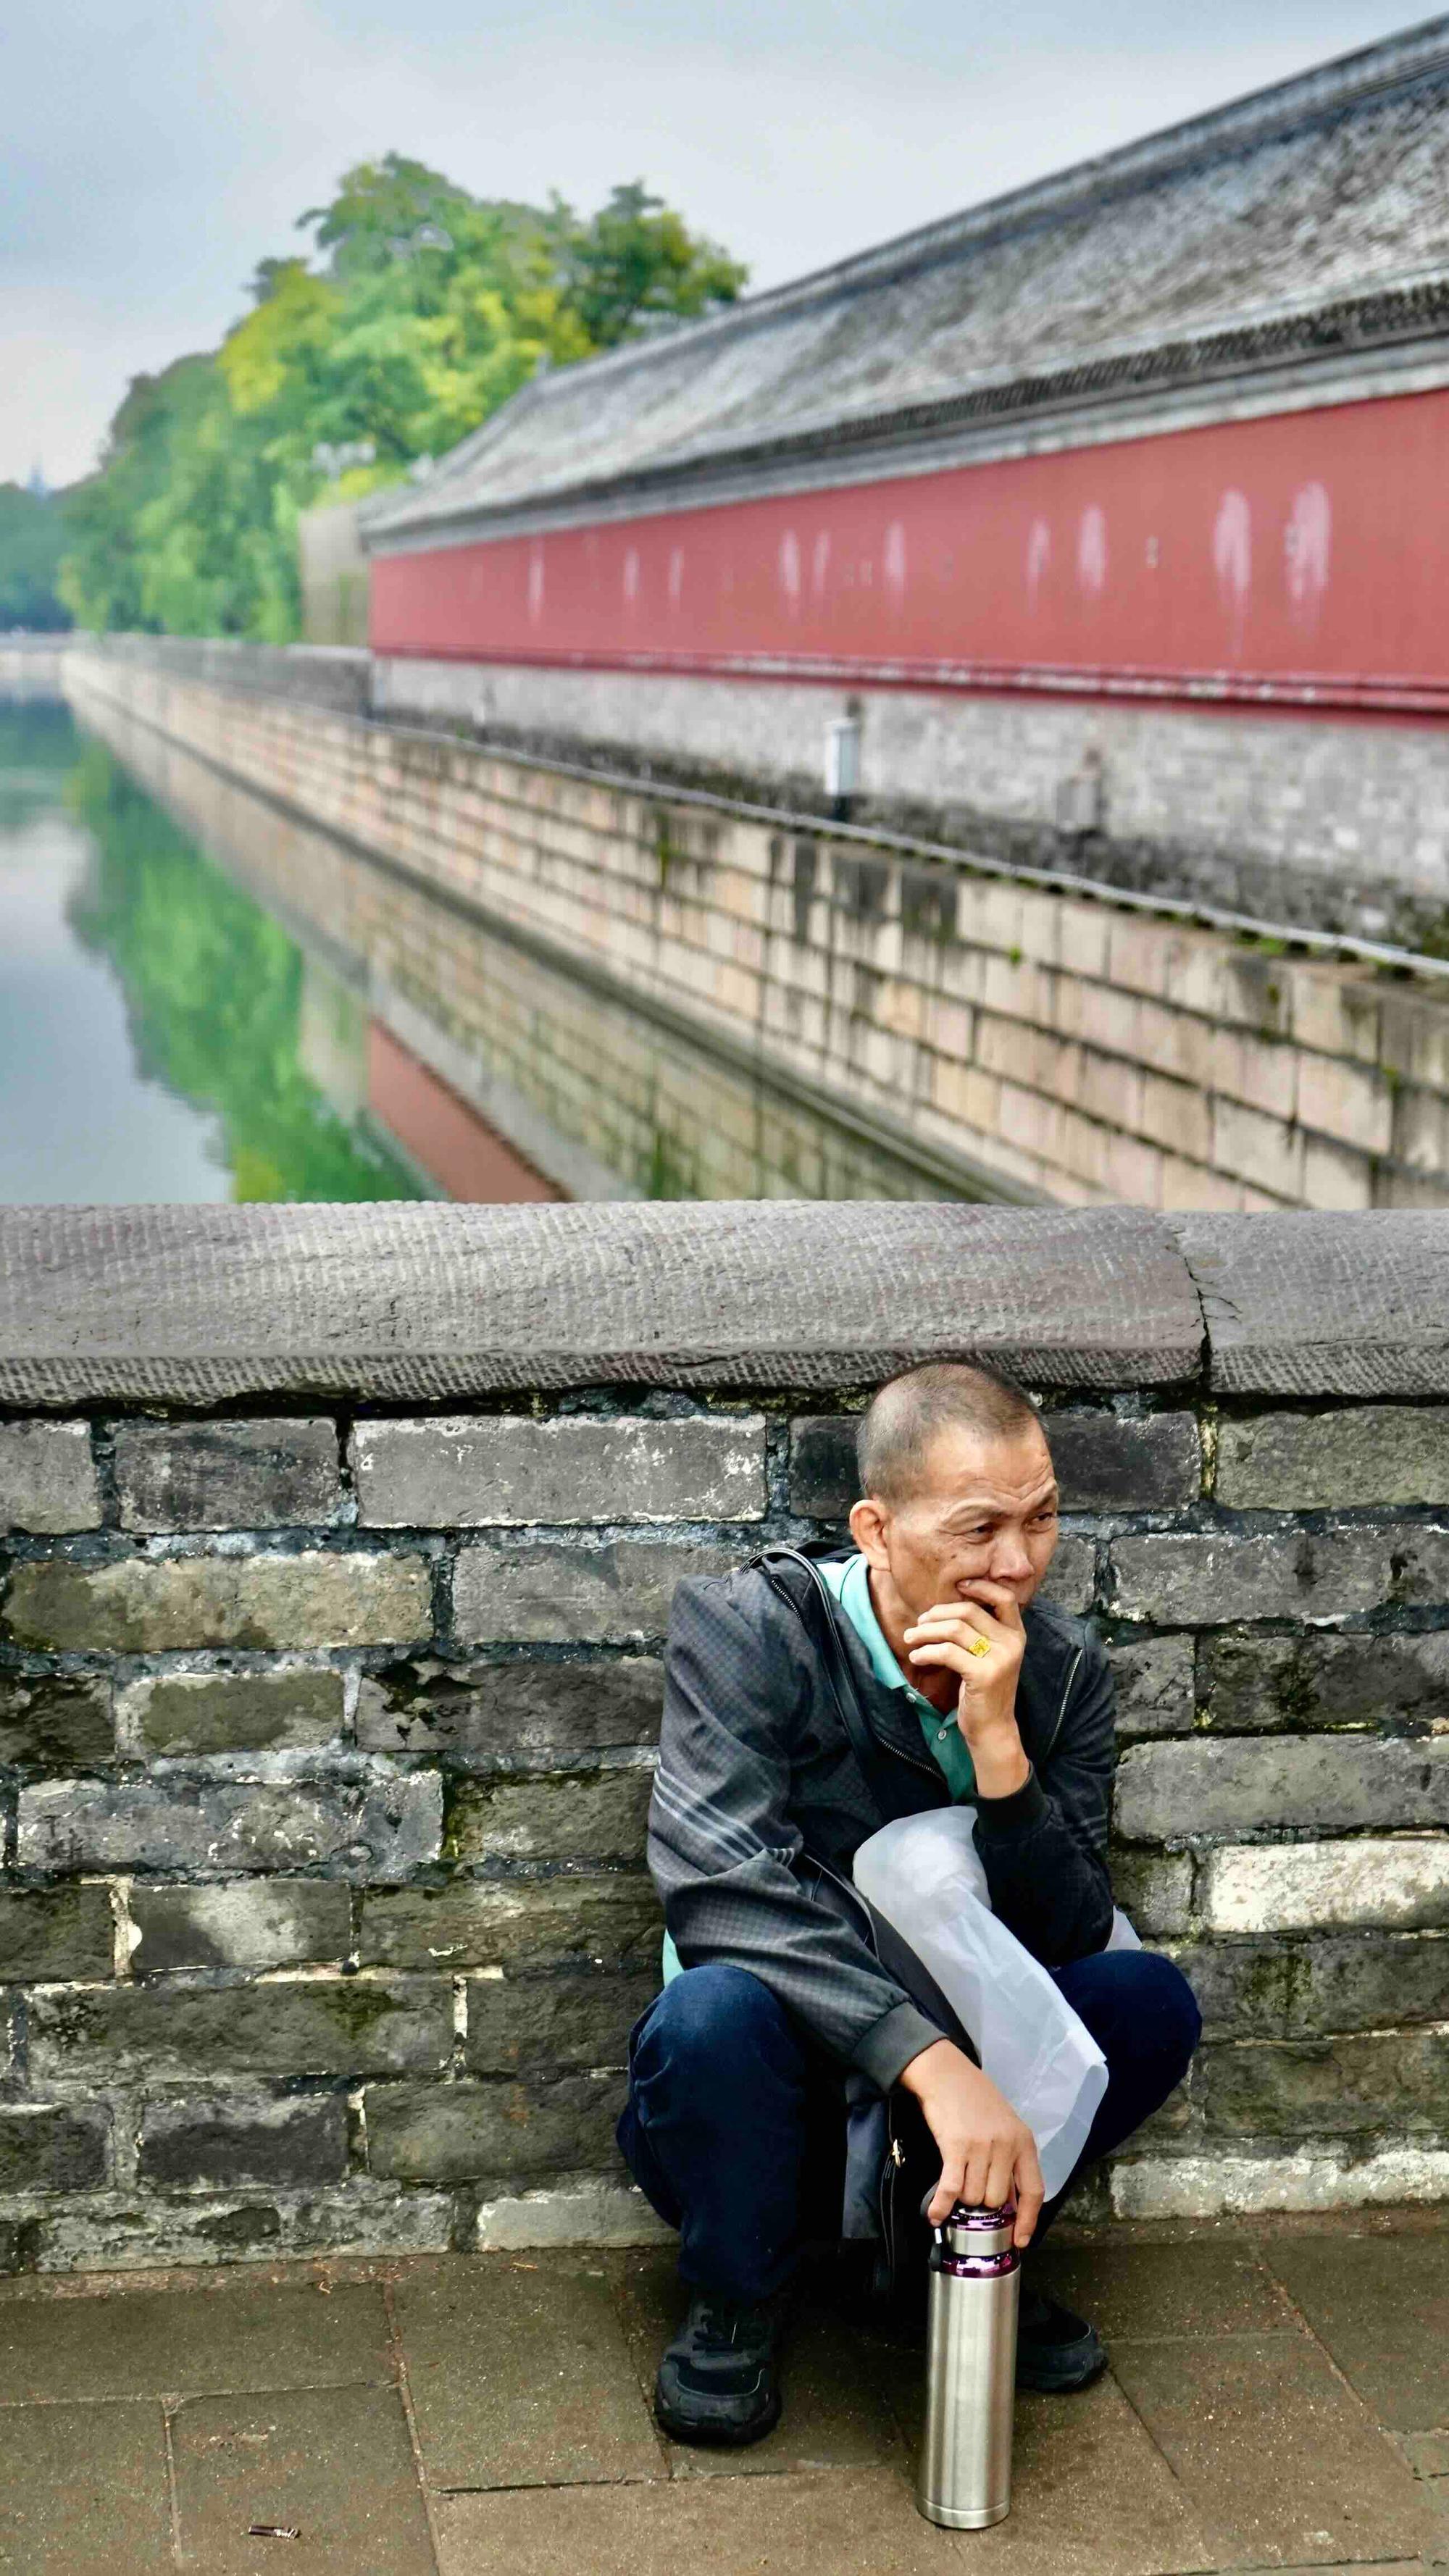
(760, 1803)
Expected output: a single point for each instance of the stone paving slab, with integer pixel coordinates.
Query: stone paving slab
(84, 2491)
(137, 2344)
(520, 2374)
(1279, 2457)
(1381, 2306)
(335, 2463)
(1161, 2290)
(1271, 2405)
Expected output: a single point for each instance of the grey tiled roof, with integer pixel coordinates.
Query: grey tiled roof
(1311, 217)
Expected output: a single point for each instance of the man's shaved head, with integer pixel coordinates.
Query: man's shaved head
(900, 1427)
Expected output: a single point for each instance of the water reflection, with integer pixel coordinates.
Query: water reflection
(302, 1022)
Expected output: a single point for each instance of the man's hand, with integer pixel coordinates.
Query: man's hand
(983, 1641)
(988, 2155)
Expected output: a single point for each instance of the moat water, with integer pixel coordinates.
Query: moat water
(203, 1000)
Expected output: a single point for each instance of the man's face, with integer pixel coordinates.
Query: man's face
(985, 1511)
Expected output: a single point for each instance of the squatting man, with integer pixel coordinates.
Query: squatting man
(777, 2006)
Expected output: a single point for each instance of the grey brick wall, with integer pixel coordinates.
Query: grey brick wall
(323, 1907)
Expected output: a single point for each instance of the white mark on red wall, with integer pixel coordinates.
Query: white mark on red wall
(1233, 555)
(820, 563)
(535, 585)
(1092, 550)
(676, 576)
(1306, 541)
(790, 567)
(895, 561)
(1038, 557)
(631, 575)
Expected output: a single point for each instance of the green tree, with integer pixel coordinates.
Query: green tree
(416, 312)
(634, 264)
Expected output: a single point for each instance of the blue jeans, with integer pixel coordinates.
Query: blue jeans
(731, 2106)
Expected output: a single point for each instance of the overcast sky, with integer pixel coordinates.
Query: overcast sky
(150, 157)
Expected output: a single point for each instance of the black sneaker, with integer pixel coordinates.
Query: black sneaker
(1055, 2350)
(717, 2379)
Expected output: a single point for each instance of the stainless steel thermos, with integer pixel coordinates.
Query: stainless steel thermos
(965, 2472)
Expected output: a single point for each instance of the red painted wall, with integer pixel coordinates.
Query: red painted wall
(1303, 557)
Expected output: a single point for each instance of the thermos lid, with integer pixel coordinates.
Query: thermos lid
(979, 2231)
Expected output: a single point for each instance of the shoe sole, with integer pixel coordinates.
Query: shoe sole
(1059, 2383)
(716, 2437)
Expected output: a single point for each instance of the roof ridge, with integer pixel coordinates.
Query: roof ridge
(1395, 62)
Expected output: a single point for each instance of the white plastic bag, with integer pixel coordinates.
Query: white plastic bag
(924, 1875)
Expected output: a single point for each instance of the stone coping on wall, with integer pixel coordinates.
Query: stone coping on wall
(193, 1305)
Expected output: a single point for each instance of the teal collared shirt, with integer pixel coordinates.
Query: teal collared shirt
(849, 1580)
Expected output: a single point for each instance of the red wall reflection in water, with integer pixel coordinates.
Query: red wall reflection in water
(438, 1128)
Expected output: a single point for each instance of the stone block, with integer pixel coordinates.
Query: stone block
(423, 1302)
(1154, 1890)
(150, 1605)
(1207, 1577)
(1369, 1981)
(824, 1480)
(53, 1933)
(1110, 1462)
(570, 2214)
(1309, 1304)
(442, 2133)
(53, 1722)
(230, 1712)
(613, 1921)
(502, 1715)
(248, 1923)
(1328, 1784)
(538, 2026)
(1306, 1887)
(275, 1474)
(1301, 1462)
(1292, 1683)
(60, 2148)
(612, 1595)
(177, 2034)
(1245, 1989)
(494, 1470)
(1153, 1680)
(47, 1478)
(1419, 1565)
(599, 1817)
(1104, 1461)
(1391, 2082)
(1209, 2186)
(1071, 1577)
(284, 2144)
(376, 1828)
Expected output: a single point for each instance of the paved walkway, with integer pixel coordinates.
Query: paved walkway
(1279, 2397)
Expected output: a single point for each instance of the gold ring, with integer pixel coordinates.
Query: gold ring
(979, 1646)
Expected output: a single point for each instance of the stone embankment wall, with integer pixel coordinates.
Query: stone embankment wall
(605, 1099)
(1321, 819)
(30, 665)
(339, 1545)
(1034, 1040)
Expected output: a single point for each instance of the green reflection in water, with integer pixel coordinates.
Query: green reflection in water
(213, 991)
(37, 751)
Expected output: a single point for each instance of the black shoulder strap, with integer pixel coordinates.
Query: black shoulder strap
(840, 1680)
